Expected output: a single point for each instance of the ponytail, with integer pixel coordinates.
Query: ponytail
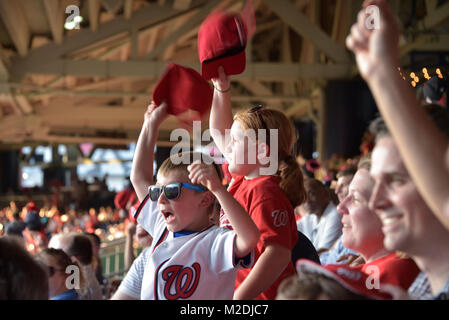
(292, 181)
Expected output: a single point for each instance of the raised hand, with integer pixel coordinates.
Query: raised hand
(375, 44)
(155, 115)
(223, 83)
(205, 174)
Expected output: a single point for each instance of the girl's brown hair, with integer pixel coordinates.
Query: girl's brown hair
(292, 180)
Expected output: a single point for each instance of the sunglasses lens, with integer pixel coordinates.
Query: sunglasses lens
(155, 192)
(172, 191)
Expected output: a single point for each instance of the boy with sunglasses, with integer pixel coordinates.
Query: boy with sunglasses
(191, 257)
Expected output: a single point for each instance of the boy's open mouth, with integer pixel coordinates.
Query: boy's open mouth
(168, 216)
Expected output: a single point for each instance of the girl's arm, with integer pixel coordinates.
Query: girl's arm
(221, 112)
(246, 230)
(142, 167)
(271, 263)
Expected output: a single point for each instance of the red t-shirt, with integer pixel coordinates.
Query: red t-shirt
(393, 270)
(273, 214)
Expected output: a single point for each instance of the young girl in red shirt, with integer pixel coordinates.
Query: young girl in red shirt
(269, 196)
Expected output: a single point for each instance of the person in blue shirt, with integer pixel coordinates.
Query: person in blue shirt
(60, 268)
(338, 253)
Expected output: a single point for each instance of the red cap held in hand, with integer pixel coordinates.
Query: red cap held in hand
(222, 41)
(183, 88)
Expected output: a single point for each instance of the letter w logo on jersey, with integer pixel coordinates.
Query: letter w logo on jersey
(181, 282)
(280, 218)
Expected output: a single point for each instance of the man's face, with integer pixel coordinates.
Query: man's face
(342, 187)
(316, 197)
(405, 217)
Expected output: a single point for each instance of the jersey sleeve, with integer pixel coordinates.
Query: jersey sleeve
(276, 223)
(223, 253)
(132, 283)
(148, 216)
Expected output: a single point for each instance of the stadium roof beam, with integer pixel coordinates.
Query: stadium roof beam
(262, 71)
(299, 22)
(152, 15)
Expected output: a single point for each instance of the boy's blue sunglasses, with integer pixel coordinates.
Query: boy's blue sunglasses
(172, 191)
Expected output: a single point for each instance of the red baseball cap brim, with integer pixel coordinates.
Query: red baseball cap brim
(350, 278)
(232, 65)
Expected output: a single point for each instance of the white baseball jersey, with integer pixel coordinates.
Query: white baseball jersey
(199, 266)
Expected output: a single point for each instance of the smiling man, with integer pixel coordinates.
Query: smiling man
(408, 223)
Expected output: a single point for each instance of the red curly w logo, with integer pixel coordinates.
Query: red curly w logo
(182, 281)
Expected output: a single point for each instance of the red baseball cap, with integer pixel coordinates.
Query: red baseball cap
(183, 89)
(222, 41)
(352, 279)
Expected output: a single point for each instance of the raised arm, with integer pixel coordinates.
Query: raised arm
(142, 168)
(420, 143)
(221, 112)
(247, 232)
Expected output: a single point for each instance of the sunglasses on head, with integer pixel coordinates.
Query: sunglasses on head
(172, 191)
(255, 110)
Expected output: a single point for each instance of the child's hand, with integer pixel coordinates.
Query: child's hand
(200, 173)
(223, 83)
(155, 115)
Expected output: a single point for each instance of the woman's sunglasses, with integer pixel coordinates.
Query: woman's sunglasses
(172, 191)
(52, 270)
